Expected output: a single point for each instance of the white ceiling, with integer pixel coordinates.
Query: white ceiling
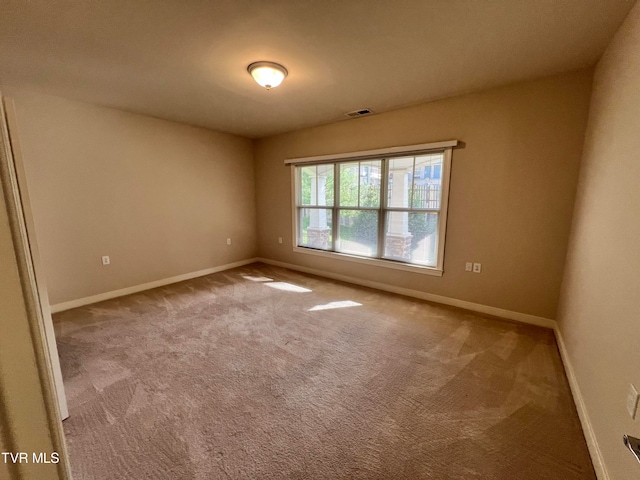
(186, 60)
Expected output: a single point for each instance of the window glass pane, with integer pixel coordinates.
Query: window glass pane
(325, 184)
(412, 237)
(307, 178)
(427, 189)
(400, 180)
(370, 176)
(349, 184)
(358, 232)
(316, 183)
(315, 228)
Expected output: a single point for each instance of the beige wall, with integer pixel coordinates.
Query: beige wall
(600, 308)
(512, 188)
(24, 424)
(160, 198)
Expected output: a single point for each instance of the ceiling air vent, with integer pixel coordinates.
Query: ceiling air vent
(359, 113)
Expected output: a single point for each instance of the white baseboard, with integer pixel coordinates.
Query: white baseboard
(454, 302)
(80, 302)
(590, 437)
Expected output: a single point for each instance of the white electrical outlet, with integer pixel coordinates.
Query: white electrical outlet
(228, 241)
(106, 260)
(632, 401)
(477, 267)
(279, 239)
(468, 267)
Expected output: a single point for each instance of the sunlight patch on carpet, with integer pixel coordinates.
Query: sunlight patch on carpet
(287, 287)
(332, 305)
(257, 279)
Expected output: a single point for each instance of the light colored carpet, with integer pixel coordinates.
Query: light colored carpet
(264, 373)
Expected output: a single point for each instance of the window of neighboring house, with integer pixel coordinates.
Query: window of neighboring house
(386, 209)
(437, 171)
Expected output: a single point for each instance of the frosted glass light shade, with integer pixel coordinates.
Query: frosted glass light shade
(267, 74)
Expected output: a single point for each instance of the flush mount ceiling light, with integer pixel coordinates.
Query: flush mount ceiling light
(267, 74)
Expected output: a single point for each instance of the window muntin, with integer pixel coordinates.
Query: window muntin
(407, 227)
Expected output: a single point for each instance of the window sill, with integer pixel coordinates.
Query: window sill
(375, 262)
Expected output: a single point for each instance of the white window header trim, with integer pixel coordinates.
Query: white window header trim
(407, 149)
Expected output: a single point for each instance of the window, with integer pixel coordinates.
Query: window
(384, 207)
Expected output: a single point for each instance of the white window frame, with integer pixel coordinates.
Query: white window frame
(445, 148)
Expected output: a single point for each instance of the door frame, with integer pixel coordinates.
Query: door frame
(32, 282)
(29, 230)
